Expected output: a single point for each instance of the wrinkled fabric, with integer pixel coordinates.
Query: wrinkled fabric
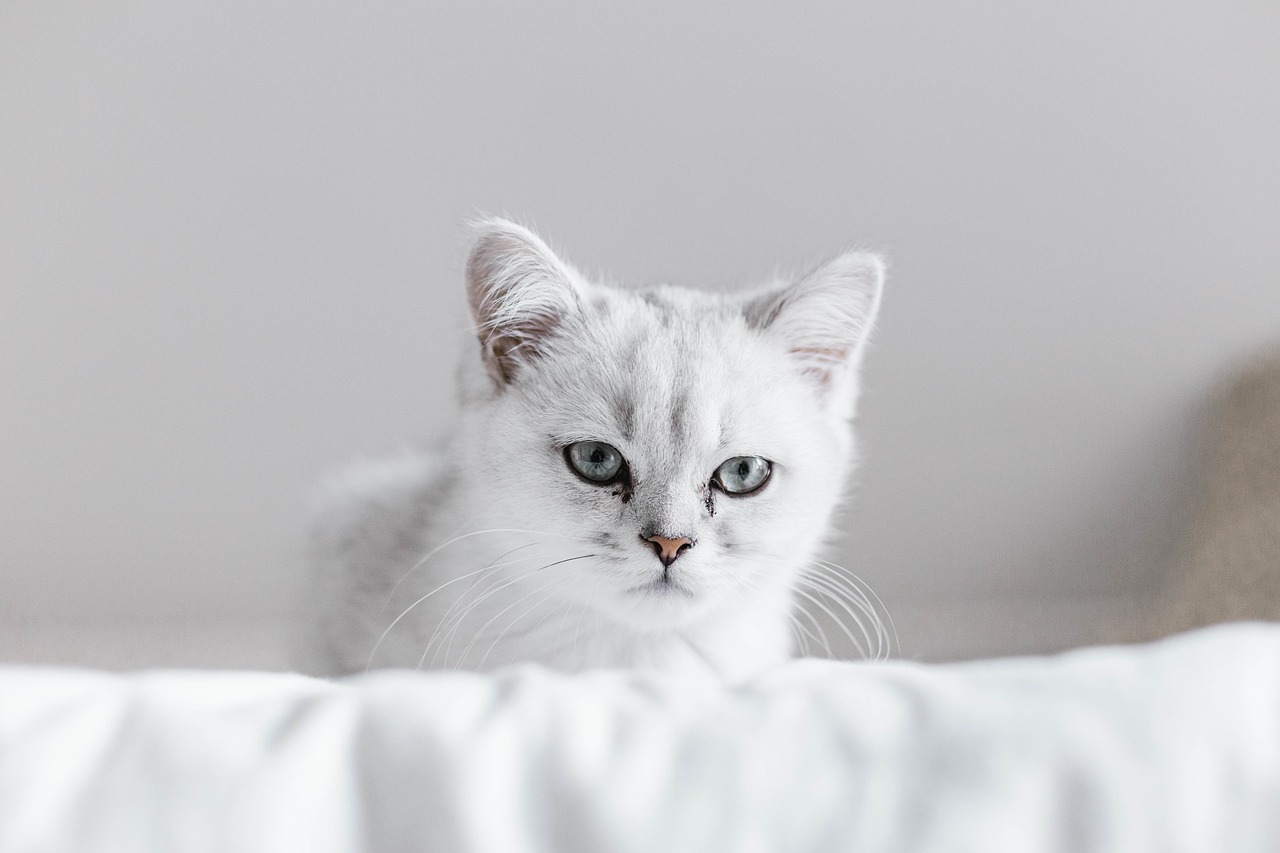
(1169, 747)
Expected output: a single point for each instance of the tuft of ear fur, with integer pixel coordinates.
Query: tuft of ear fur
(826, 316)
(519, 293)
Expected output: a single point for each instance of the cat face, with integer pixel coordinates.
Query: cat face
(694, 444)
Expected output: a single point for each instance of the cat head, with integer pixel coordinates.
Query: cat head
(694, 443)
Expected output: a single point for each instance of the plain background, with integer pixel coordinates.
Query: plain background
(231, 242)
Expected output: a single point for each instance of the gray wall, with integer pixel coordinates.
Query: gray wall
(230, 249)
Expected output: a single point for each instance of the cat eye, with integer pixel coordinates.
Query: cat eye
(742, 475)
(595, 461)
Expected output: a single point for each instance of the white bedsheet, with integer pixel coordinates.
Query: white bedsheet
(1169, 747)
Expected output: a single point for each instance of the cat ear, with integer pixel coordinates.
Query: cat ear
(519, 293)
(825, 317)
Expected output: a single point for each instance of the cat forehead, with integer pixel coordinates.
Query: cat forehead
(670, 365)
(668, 338)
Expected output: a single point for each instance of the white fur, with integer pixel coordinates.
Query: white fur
(492, 550)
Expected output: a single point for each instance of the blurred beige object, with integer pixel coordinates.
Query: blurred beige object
(1227, 564)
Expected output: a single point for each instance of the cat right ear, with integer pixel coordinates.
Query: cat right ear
(519, 293)
(825, 317)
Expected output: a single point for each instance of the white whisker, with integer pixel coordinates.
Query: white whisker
(447, 629)
(492, 619)
(461, 601)
(473, 533)
(576, 629)
(820, 585)
(460, 610)
(532, 631)
(850, 593)
(866, 586)
(489, 595)
(817, 626)
(846, 589)
(839, 624)
(405, 612)
(555, 585)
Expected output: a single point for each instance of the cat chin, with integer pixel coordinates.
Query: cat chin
(656, 605)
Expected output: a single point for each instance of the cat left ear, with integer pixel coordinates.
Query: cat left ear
(519, 293)
(826, 316)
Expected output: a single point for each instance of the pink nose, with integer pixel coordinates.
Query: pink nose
(668, 549)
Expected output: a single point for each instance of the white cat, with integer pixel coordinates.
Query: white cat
(639, 479)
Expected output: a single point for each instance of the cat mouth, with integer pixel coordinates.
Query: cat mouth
(664, 586)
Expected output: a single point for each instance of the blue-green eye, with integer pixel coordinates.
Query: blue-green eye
(595, 461)
(743, 475)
